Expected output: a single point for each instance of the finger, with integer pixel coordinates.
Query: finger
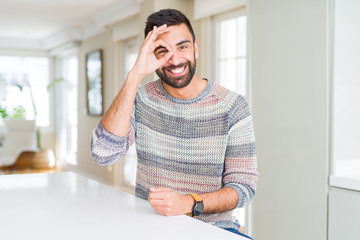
(150, 44)
(161, 48)
(160, 193)
(162, 189)
(162, 43)
(162, 27)
(156, 195)
(159, 29)
(164, 211)
(152, 35)
(165, 58)
(158, 203)
(152, 189)
(162, 30)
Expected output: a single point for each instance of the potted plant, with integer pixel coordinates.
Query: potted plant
(43, 158)
(18, 136)
(3, 116)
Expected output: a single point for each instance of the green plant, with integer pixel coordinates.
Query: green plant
(54, 83)
(3, 113)
(18, 112)
(31, 95)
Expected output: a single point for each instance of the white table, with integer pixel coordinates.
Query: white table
(69, 206)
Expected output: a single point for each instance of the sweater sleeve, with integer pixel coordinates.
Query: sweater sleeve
(240, 158)
(107, 148)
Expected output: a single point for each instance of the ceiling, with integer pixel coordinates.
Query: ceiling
(38, 24)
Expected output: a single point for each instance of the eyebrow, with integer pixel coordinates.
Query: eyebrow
(179, 43)
(159, 47)
(182, 42)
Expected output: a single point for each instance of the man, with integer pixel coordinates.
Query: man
(194, 139)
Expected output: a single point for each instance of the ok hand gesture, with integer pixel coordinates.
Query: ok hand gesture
(147, 62)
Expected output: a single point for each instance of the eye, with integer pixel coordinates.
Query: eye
(161, 52)
(183, 47)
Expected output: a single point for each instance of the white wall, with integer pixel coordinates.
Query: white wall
(344, 214)
(289, 44)
(86, 123)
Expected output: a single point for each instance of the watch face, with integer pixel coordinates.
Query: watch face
(198, 208)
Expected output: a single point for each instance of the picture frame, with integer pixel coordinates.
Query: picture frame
(94, 81)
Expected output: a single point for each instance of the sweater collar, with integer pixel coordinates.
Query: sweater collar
(202, 95)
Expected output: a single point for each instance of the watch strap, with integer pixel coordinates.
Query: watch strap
(197, 199)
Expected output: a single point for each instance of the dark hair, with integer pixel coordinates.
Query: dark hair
(170, 17)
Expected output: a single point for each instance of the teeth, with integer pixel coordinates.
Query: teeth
(177, 70)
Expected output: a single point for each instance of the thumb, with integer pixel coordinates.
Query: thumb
(165, 58)
(158, 189)
(154, 189)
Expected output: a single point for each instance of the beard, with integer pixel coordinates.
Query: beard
(180, 81)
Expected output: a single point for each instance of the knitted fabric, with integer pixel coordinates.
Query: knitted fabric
(195, 145)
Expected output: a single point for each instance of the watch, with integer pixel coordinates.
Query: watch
(198, 207)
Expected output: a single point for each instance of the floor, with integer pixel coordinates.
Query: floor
(4, 171)
(32, 162)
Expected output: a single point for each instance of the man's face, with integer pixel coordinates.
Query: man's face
(180, 69)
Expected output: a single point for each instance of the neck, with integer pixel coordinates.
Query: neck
(195, 87)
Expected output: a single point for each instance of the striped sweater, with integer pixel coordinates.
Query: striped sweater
(195, 145)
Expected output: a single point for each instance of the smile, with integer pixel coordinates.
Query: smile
(177, 70)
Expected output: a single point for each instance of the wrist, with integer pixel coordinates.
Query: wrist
(188, 204)
(198, 206)
(135, 76)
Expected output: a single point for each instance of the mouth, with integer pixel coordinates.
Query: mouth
(177, 71)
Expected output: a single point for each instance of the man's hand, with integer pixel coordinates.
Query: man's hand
(167, 202)
(147, 62)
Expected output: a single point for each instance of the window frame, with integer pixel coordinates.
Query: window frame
(344, 173)
(213, 43)
(58, 72)
(215, 23)
(121, 72)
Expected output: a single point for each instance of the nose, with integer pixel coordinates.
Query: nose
(175, 58)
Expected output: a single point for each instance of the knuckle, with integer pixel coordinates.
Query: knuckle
(167, 212)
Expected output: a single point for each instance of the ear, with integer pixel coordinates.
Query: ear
(196, 48)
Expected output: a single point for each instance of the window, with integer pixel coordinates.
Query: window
(231, 62)
(129, 50)
(230, 31)
(24, 78)
(346, 97)
(67, 109)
